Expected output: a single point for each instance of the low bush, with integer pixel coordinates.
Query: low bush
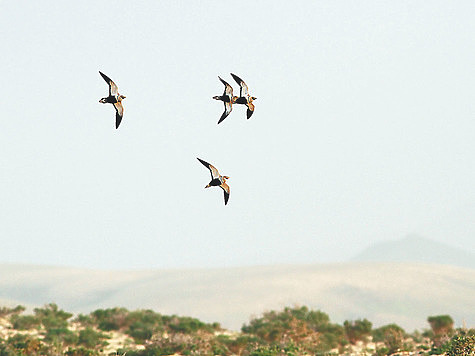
(110, 319)
(91, 338)
(392, 335)
(62, 336)
(5, 311)
(52, 317)
(22, 345)
(25, 322)
(461, 343)
(357, 330)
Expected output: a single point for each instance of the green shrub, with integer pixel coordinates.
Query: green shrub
(382, 351)
(110, 319)
(357, 330)
(392, 335)
(80, 351)
(20, 344)
(379, 333)
(25, 322)
(462, 343)
(275, 350)
(187, 325)
(61, 336)
(331, 336)
(5, 311)
(441, 324)
(91, 338)
(442, 328)
(141, 331)
(142, 324)
(175, 343)
(146, 317)
(394, 340)
(311, 329)
(52, 317)
(238, 344)
(86, 320)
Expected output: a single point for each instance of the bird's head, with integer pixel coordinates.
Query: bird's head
(225, 178)
(122, 97)
(253, 98)
(103, 100)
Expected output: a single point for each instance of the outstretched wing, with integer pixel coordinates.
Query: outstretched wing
(227, 191)
(119, 113)
(244, 90)
(113, 90)
(250, 110)
(228, 89)
(214, 172)
(227, 109)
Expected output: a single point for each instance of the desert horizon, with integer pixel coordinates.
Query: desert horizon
(383, 292)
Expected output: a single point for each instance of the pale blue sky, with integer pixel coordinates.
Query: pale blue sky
(364, 130)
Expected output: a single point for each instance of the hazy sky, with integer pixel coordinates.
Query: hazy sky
(364, 130)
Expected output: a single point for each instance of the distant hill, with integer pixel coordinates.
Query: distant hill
(384, 293)
(415, 248)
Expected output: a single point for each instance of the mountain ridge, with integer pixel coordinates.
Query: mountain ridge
(415, 248)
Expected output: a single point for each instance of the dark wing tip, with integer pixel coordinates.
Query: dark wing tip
(105, 77)
(225, 115)
(223, 81)
(222, 118)
(249, 113)
(206, 164)
(118, 120)
(236, 78)
(226, 197)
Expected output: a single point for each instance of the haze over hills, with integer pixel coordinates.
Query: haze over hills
(414, 248)
(404, 293)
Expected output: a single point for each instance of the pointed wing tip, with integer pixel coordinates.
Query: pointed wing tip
(223, 81)
(222, 118)
(106, 78)
(118, 120)
(204, 163)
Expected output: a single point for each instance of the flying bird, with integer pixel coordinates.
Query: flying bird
(114, 98)
(244, 97)
(227, 98)
(217, 180)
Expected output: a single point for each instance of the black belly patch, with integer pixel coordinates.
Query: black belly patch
(215, 182)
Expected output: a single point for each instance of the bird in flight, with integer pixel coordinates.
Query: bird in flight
(244, 97)
(227, 98)
(217, 180)
(114, 98)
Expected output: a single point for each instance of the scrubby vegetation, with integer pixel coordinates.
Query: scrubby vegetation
(291, 331)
